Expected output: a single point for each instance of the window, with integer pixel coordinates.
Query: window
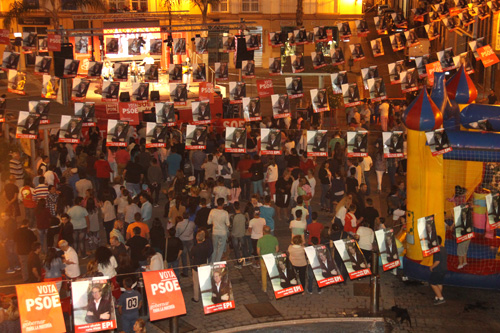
(250, 5)
(222, 6)
(115, 5)
(139, 5)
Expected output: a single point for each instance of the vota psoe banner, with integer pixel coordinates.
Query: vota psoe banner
(40, 308)
(164, 293)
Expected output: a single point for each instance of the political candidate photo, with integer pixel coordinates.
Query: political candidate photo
(70, 129)
(294, 86)
(270, 140)
(140, 91)
(236, 139)
(95, 68)
(110, 90)
(10, 60)
(80, 87)
(251, 109)
(165, 112)
(196, 137)
(71, 67)
(85, 111)
(42, 64)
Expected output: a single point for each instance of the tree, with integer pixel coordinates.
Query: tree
(169, 4)
(51, 9)
(300, 13)
(203, 6)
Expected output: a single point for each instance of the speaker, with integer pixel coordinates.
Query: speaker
(155, 96)
(60, 57)
(124, 96)
(241, 52)
(18, 41)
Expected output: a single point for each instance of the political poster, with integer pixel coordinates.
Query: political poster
(164, 293)
(110, 91)
(427, 235)
(236, 140)
(283, 278)
(155, 135)
(117, 133)
(438, 142)
(50, 87)
(27, 125)
(294, 87)
(79, 89)
(317, 144)
(353, 258)
(492, 205)
(281, 106)
(265, 88)
(40, 109)
(251, 109)
(165, 113)
(129, 112)
(70, 129)
(215, 286)
(357, 144)
(324, 268)
(201, 112)
(393, 144)
(270, 141)
(16, 82)
(387, 248)
(462, 216)
(319, 100)
(86, 111)
(196, 137)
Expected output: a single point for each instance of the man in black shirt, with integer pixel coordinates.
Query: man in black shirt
(24, 238)
(370, 214)
(202, 215)
(137, 245)
(200, 254)
(117, 247)
(174, 250)
(133, 175)
(438, 272)
(34, 263)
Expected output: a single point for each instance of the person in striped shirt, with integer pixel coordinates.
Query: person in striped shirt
(42, 190)
(16, 169)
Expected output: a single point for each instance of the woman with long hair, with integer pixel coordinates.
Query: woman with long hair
(42, 217)
(53, 266)
(108, 213)
(106, 262)
(93, 235)
(155, 259)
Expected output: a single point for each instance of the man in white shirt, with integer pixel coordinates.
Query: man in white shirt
(365, 237)
(221, 191)
(300, 206)
(72, 268)
(256, 230)
(219, 218)
(83, 185)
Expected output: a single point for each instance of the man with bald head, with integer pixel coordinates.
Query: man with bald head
(70, 259)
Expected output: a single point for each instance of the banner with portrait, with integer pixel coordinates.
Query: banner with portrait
(393, 144)
(165, 113)
(27, 125)
(357, 52)
(463, 60)
(318, 59)
(10, 60)
(164, 294)
(395, 70)
(79, 89)
(228, 44)
(236, 140)
(432, 30)
(369, 73)
(270, 141)
(281, 106)
(420, 63)
(275, 66)
(42, 65)
(215, 286)
(337, 80)
(179, 46)
(110, 91)
(297, 63)
(317, 144)
(492, 206)
(196, 137)
(294, 87)
(388, 249)
(117, 133)
(275, 39)
(29, 42)
(362, 28)
(155, 135)
(16, 82)
(353, 258)
(350, 94)
(462, 216)
(178, 93)
(86, 111)
(445, 57)
(151, 73)
(357, 144)
(427, 235)
(377, 90)
(282, 275)
(324, 268)
(70, 129)
(93, 305)
(199, 72)
(251, 109)
(201, 45)
(120, 72)
(252, 42)
(438, 142)
(409, 80)
(70, 68)
(337, 55)
(319, 100)
(140, 91)
(237, 90)
(41, 110)
(248, 69)
(264, 88)
(221, 71)
(377, 47)
(50, 87)
(201, 112)
(175, 73)
(40, 308)
(95, 69)
(156, 46)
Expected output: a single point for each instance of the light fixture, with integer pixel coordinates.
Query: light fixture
(18, 34)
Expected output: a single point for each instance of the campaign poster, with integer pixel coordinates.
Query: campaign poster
(376, 88)
(476, 44)
(164, 293)
(156, 46)
(445, 57)
(466, 18)
(283, 278)
(95, 69)
(10, 60)
(70, 68)
(70, 129)
(395, 70)
(199, 72)
(165, 113)
(54, 42)
(353, 258)
(270, 141)
(492, 206)
(494, 6)
(409, 80)
(178, 93)
(40, 308)
(16, 82)
(380, 24)
(483, 12)
(221, 71)
(275, 66)
(265, 88)
(357, 52)
(318, 59)
(201, 45)
(42, 65)
(275, 39)
(399, 20)
(81, 45)
(281, 106)
(252, 42)
(86, 111)
(117, 133)
(206, 91)
(369, 73)
(412, 38)
(297, 63)
(112, 45)
(110, 91)
(393, 144)
(324, 268)
(300, 36)
(196, 137)
(463, 60)
(430, 69)
(251, 109)
(29, 42)
(237, 90)
(248, 69)
(398, 42)
(236, 140)
(215, 286)
(350, 94)
(4, 37)
(319, 100)
(134, 46)
(228, 44)
(427, 235)
(377, 47)
(140, 91)
(487, 56)
(438, 142)
(434, 16)
(317, 144)
(432, 30)
(80, 88)
(294, 87)
(175, 73)
(85, 295)
(357, 144)
(362, 28)
(120, 72)
(201, 112)
(150, 73)
(419, 13)
(42, 45)
(344, 30)
(155, 135)
(337, 80)
(50, 86)
(129, 112)
(27, 125)
(420, 63)
(386, 243)
(179, 46)
(40, 109)
(337, 55)
(463, 222)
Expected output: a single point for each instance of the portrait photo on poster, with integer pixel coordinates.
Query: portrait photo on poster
(236, 140)
(120, 71)
(493, 208)
(16, 82)
(95, 69)
(70, 129)
(388, 249)
(10, 60)
(199, 73)
(27, 125)
(337, 80)
(438, 142)
(353, 258)
(377, 90)
(110, 91)
(70, 67)
(140, 91)
(324, 268)
(86, 111)
(319, 100)
(228, 44)
(156, 46)
(251, 109)
(395, 70)
(281, 105)
(151, 73)
(420, 63)
(462, 216)
(40, 109)
(427, 235)
(357, 144)
(42, 64)
(393, 144)
(80, 88)
(275, 66)
(50, 87)
(221, 71)
(82, 45)
(178, 93)
(237, 90)
(196, 137)
(117, 133)
(297, 63)
(281, 274)
(350, 94)
(201, 112)
(155, 135)
(337, 56)
(294, 87)
(165, 113)
(317, 144)
(248, 69)
(215, 286)
(175, 73)
(270, 141)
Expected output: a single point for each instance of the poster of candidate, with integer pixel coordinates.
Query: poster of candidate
(357, 144)
(196, 137)
(427, 235)
(70, 129)
(155, 135)
(117, 133)
(270, 141)
(317, 144)
(251, 109)
(215, 286)
(283, 278)
(41, 109)
(353, 258)
(86, 111)
(463, 223)
(386, 243)
(393, 144)
(438, 142)
(27, 125)
(236, 140)
(324, 268)
(50, 87)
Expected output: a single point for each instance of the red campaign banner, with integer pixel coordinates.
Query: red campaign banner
(430, 69)
(440, 152)
(318, 110)
(465, 237)
(234, 122)
(282, 115)
(357, 154)
(487, 56)
(378, 99)
(164, 293)
(112, 108)
(96, 327)
(206, 91)
(218, 307)
(359, 59)
(394, 155)
(78, 99)
(238, 101)
(360, 273)
(409, 89)
(65, 140)
(330, 281)
(391, 265)
(318, 153)
(265, 88)
(235, 150)
(4, 36)
(15, 91)
(26, 136)
(288, 291)
(54, 42)
(254, 119)
(352, 104)
(189, 147)
(92, 124)
(295, 96)
(201, 122)
(129, 111)
(432, 250)
(44, 121)
(270, 152)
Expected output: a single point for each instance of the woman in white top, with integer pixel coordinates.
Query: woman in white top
(120, 203)
(130, 211)
(106, 262)
(109, 215)
(311, 180)
(155, 260)
(272, 176)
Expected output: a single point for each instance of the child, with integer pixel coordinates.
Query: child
(129, 304)
(314, 228)
(350, 220)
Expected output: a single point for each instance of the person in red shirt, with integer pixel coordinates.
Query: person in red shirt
(122, 157)
(307, 163)
(26, 196)
(315, 228)
(243, 167)
(103, 171)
